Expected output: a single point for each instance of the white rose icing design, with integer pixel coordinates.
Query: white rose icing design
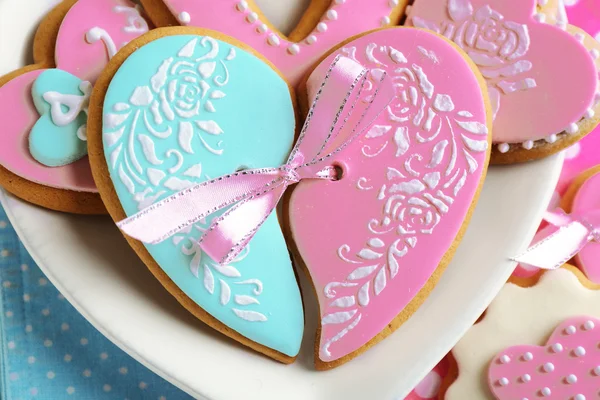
(498, 46)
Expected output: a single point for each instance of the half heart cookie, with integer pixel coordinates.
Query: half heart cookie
(376, 241)
(542, 79)
(180, 107)
(43, 107)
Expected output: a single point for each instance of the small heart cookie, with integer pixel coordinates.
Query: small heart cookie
(525, 314)
(179, 107)
(566, 367)
(59, 136)
(390, 225)
(44, 106)
(542, 80)
(324, 24)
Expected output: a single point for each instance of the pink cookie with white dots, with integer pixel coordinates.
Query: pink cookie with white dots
(324, 24)
(515, 341)
(567, 367)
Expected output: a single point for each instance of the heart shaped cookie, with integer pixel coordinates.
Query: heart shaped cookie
(61, 99)
(566, 367)
(324, 24)
(390, 225)
(525, 314)
(179, 107)
(44, 105)
(542, 80)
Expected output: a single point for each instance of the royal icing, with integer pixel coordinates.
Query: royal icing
(566, 367)
(38, 141)
(524, 316)
(407, 185)
(237, 18)
(58, 137)
(530, 67)
(184, 109)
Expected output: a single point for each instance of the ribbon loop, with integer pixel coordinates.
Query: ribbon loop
(567, 236)
(338, 115)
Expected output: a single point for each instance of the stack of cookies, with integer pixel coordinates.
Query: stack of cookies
(373, 122)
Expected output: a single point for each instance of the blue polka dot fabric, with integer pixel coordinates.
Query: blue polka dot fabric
(49, 351)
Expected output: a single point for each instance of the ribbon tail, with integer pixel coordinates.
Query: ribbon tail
(163, 219)
(230, 233)
(558, 248)
(558, 217)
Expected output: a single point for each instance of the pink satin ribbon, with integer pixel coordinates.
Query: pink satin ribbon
(339, 114)
(573, 233)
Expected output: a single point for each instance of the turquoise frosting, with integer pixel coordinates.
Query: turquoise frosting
(53, 140)
(183, 109)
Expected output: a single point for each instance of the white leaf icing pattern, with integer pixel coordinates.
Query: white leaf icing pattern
(343, 302)
(244, 300)
(338, 317)
(209, 280)
(250, 316)
(225, 292)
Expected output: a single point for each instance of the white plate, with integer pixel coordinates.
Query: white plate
(92, 265)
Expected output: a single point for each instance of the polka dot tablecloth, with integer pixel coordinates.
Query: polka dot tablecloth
(49, 351)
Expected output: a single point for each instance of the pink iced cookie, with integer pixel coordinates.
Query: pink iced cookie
(243, 20)
(407, 187)
(530, 67)
(584, 155)
(567, 367)
(587, 203)
(89, 35)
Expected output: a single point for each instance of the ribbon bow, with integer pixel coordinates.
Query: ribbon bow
(338, 115)
(560, 245)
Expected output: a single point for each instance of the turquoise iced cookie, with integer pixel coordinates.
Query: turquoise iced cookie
(58, 137)
(183, 109)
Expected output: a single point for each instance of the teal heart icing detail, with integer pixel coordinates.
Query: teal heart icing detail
(184, 109)
(61, 99)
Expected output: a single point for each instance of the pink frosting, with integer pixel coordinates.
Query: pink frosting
(567, 367)
(73, 54)
(235, 18)
(587, 202)
(541, 79)
(406, 188)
